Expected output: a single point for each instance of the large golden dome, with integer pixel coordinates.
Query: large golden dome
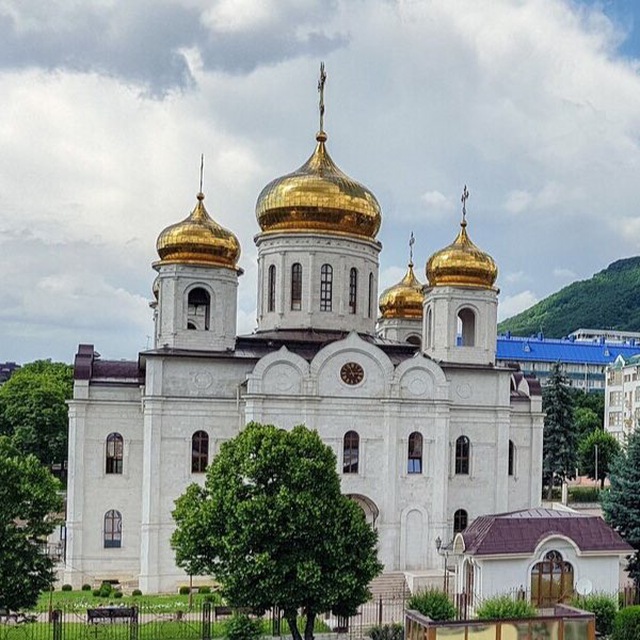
(318, 197)
(198, 239)
(404, 299)
(462, 264)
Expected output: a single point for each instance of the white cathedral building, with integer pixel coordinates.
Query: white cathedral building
(428, 431)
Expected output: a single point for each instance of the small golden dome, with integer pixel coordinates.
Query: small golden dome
(404, 299)
(198, 239)
(462, 264)
(318, 197)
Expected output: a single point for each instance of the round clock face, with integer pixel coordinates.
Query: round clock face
(352, 373)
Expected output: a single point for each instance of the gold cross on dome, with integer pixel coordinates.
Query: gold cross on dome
(412, 241)
(321, 82)
(465, 197)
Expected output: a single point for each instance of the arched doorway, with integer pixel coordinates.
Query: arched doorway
(551, 580)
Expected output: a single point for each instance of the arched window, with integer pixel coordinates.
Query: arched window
(198, 309)
(115, 451)
(271, 292)
(415, 340)
(112, 529)
(460, 521)
(462, 456)
(551, 580)
(296, 287)
(350, 451)
(429, 331)
(326, 287)
(370, 300)
(353, 290)
(467, 327)
(199, 452)
(512, 458)
(414, 458)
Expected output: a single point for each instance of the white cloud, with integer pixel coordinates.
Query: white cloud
(514, 304)
(564, 274)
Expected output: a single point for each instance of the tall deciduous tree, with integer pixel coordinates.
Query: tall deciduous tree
(29, 501)
(621, 505)
(33, 410)
(273, 527)
(598, 449)
(559, 446)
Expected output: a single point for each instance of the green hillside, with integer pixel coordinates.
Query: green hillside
(608, 300)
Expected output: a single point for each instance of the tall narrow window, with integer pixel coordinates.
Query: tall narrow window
(467, 327)
(512, 458)
(112, 529)
(326, 287)
(370, 300)
(199, 452)
(271, 294)
(296, 287)
(115, 451)
(414, 460)
(350, 451)
(353, 290)
(198, 309)
(429, 322)
(462, 456)
(460, 520)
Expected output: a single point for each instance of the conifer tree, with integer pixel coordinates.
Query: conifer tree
(621, 505)
(559, 445)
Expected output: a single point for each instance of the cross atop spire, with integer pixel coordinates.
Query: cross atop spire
(412, 241)
(201, 171)
(465, 197)
(321, 82)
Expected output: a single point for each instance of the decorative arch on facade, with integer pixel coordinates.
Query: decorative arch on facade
(114, 458)
(467, 326)
(421, 377)
(414, 537)
(368, 506)
(278, 362)
(199, 452)
(112, 529)
(198, 304)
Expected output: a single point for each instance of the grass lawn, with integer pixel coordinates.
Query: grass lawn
(81, 600)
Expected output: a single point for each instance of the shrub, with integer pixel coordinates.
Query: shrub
(66, 587)
(505, 608)
(105, 590)
(184, 591)
(204, 589)
(604, 606)
(86, 587)
(96, 593)
(117, 594)
(242, 627)
(584, 494)
(627, 624)
(136, 592)
(433, 603)
(209, 598)
(394, 631)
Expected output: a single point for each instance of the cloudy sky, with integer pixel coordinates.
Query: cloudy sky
(107, 105)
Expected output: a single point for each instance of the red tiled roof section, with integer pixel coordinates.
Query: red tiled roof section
(522, 531)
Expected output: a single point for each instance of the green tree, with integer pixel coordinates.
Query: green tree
(271, 524)
(33, 409)
(29, 500)
(599, 447)
(559, 444)
(586, 421)
(621, 505)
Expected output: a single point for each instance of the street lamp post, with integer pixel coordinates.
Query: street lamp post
(444, 553)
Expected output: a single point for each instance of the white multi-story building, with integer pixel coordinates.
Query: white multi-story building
(428, 431)
(622, 397)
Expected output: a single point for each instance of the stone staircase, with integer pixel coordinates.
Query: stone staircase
(389, 585)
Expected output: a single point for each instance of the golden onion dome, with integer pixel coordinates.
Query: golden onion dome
(462, 264)
(198, 239)
(404, 299)
(318, 197)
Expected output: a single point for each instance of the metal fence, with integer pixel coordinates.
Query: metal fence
(203, 621)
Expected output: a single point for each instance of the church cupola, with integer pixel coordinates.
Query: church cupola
(317, 250)
(401, 307)
(460, 303)
(196, 287)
